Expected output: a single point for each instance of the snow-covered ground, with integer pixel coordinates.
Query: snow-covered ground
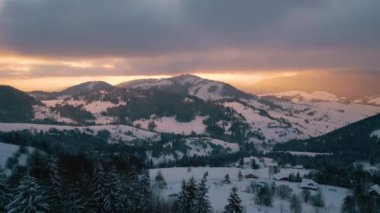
(118, 132)
(170, 125)
(12, 151)
(196, 146)
(95, 107)
(6, 151)
(219, 192)
(309, 154)
(375, 133)
(299, 120)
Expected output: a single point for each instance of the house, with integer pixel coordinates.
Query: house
(374, 190)
(309, 184)
(288, 166)
(281, 176)
(250, 176)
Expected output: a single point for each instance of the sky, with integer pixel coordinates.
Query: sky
(51, 44)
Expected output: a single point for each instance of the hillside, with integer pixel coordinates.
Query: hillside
(359, 141)
(15, 105)
(190, 85)
(188, 105)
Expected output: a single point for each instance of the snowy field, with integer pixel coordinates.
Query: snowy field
(12, 151)
(6, 151)
(170, 125)
(118, 132)
(219, 192)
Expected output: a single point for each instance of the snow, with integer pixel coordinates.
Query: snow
(309, 154)
(203, 92)
(118, 132)
(375, 101)
(171, 125)
(157, 83)
(196, 146)
(298, 120)
(42, 112)
(375, 188)
(219, 192)
(375, 133)
(94, 107)
(6, 151)
(234, 147)
(10, 150)
(301, 96)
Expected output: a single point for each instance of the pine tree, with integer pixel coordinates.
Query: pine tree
(317, 201)
(295, 205)
(202, 203)
(305, 194)
(142, 193)
(112, 193)
(348, 205)
(100, 190)
(234, 203)
(186, 198)
(73, 203)
(205, 175)
(28, 197)
(182, 200)
(241, 163)
(264, 196)
(4, 192)
(240, 176)
(55, 192)
(227, 179)
(160, 180)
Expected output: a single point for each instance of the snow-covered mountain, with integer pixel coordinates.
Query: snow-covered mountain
(301, 96)
(371, 100)
(190, 85)
(190, 105)
(72, 91)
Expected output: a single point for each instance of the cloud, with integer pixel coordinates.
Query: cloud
(171, 36)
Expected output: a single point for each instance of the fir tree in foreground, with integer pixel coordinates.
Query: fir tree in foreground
(183, 204)
(55, 192)
(202, 203)
(4, 192)
(234, 203)
(28, 197)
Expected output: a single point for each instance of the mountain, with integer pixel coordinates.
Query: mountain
(15, 105)
(359, 141)
(369, 100)
(72, 91)
(84, 87)
(302, 96)
(352, 85)
(190, 85)
(189, 105)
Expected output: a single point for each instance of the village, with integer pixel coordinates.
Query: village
(249, 176)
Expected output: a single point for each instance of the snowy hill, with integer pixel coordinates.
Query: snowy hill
(300, 96)
(371, 100)
(119, 133)
(190, 85)
(72, 91)
(15, 105)
(188, 104)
